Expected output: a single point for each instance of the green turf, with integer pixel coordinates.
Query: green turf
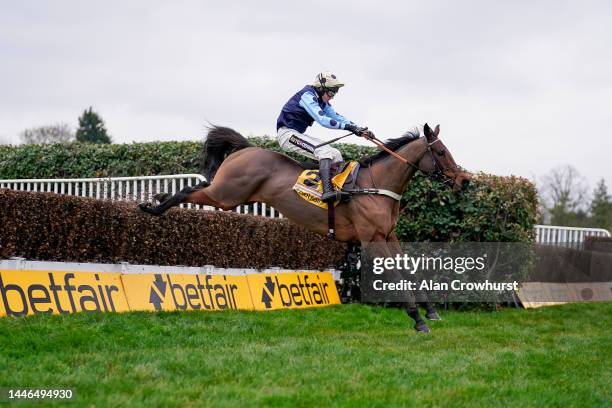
(351, 355)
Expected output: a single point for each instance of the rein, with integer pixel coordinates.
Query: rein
(382, 146)
(438, 170)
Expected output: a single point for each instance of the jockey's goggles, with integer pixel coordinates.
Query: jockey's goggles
(332, 91)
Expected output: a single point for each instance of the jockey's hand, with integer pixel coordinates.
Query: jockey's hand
(367, 134)
(356, 129)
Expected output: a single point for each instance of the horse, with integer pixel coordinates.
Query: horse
(238, 172)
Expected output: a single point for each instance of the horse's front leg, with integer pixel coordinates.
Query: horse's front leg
(167, 201)
(380, 247)
(430, 310)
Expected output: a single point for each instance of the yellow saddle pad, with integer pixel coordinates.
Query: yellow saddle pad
(310, 188)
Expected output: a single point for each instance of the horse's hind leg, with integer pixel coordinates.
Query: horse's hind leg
(167, 202)
(161, 197)
(225, 195)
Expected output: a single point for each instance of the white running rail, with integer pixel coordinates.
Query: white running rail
(139, 189)
(572, 236)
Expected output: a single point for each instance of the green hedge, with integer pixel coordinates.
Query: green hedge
(493, 209)
(79, 160)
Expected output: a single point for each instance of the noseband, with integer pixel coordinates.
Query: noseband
(438, 172)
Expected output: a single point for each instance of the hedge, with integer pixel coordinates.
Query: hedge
(79, 160)
(50, 227)
(493, 209)
(600, 244)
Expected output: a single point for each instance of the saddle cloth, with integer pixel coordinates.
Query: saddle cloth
(310, 188)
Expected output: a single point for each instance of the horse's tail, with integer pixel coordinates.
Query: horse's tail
(220, 143)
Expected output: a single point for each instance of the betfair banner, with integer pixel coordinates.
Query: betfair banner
(50, 292)
(292, 290)
(187, 292)
(25, 292)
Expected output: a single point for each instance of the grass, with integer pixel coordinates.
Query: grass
(351, 355)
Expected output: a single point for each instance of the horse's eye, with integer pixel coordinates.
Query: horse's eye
(440, 152)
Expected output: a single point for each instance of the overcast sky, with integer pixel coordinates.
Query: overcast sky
(518, 87)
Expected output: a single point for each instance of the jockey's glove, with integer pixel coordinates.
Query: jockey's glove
(368, 135)
(355, 129)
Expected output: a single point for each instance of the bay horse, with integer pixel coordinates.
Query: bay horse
(238, 172)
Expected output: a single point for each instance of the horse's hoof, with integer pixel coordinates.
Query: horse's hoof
(421, 327)
(161, 197)
(433, 315)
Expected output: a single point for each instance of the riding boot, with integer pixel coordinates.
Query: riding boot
(329, 193)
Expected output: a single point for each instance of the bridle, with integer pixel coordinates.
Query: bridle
(439, 173)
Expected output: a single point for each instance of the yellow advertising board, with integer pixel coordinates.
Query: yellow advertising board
(271, 291)
(186, 292)
(26, 292)
(52, 292)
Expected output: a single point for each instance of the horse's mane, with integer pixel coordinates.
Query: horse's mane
(392, 144)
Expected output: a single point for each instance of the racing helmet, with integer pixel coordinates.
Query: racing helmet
(327, 81)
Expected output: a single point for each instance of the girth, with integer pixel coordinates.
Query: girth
(349, 190)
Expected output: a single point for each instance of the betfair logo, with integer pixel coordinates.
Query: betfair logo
(299, 291)
(197, 293)
(156, 297)
(59, 292)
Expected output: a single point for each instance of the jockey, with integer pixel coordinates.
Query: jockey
(307, 105)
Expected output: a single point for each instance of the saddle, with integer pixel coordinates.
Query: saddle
(309, 186)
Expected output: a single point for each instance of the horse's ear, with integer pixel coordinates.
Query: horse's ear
(437, 130)
(427, 130)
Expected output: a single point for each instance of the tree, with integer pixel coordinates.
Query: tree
(56, 133)
(601, 207)
(564, 195)
(91, 128)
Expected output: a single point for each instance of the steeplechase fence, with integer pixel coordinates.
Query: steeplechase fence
(143, 188)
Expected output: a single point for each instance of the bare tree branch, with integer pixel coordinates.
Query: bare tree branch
(564, 186)
(564, 195)
(56, 133)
